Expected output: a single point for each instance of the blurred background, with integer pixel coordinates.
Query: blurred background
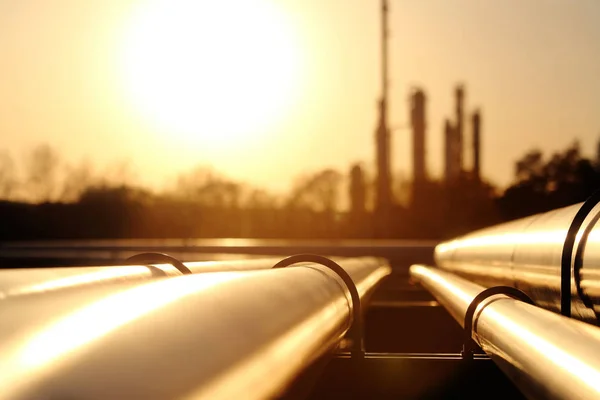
(312, 119)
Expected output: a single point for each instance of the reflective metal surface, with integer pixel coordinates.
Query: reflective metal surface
(242, 334)
(526, 254)
(545, 354)
(31, 281)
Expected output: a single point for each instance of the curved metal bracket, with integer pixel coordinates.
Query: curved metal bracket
(355, 332)
(578, 264)
(567, 253)
(469, 344)
(159, 258)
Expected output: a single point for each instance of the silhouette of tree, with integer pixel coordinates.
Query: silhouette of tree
(310, 209)
(597, 159)
(41, 171)
(318, 192)
(76, 180)
(119, 174)
(205, 187)
(530, 167)
(115, 211)
(258, 199)
(541, 185)
(8, 178)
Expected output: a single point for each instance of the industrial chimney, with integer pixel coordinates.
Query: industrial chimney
(476, 145)
(460, 97)
(417, 117)
(357, 190)
(449, 151)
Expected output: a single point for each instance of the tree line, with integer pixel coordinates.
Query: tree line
(47, 199)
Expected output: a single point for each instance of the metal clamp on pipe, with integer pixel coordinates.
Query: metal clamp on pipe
(567, 254)
(356, 328)
(546, 355)
(155, 258)
(553, 257)
(469, 345)
(230, 334)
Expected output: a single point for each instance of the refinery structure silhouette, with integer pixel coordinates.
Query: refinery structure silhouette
(454, 146)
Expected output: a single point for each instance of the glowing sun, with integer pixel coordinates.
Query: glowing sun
(210, 72)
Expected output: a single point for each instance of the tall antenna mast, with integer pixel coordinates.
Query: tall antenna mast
(384, 55)
(382, 134)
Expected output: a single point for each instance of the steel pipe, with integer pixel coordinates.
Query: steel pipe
(36, 281)
(215, 335)
(546, 355)
(528, 254)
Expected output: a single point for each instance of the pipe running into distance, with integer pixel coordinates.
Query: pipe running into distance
(243, 334)
(546, 355)
(37, 281)
(528, 254)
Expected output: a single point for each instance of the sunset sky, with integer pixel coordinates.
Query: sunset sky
(264, 90)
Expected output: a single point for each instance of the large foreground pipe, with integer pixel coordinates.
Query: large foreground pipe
(546, 355)
(36, 281)
(214, 335)
(527, 254)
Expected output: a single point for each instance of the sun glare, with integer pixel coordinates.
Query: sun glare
(212, 73)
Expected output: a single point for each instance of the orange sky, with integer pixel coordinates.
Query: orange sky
(531, 66)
